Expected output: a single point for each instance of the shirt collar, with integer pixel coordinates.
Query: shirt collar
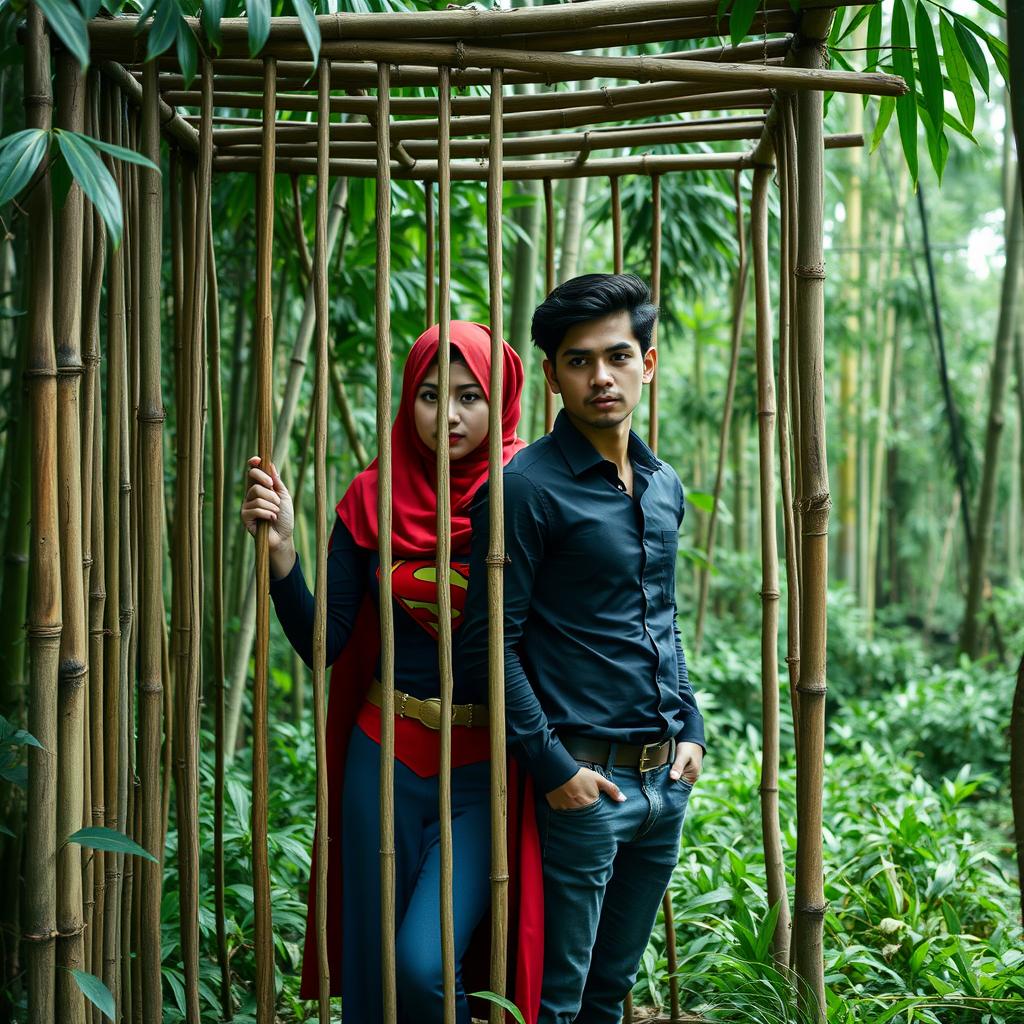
(581, 455)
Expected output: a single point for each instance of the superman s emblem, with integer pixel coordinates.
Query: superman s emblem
(414, 586)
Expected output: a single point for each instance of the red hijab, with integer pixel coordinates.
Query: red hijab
(414, 465)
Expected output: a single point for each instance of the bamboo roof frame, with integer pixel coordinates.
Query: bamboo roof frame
(780, 79)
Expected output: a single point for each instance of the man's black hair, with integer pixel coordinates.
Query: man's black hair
(591, 297)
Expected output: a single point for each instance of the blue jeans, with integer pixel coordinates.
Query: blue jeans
(606, 868)
(417, 884)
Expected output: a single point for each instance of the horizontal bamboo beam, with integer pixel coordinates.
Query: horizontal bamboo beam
(574, 67)
(245, 76)
(528, 121)
(533, 145)
(172, 124)
(462, 23)
(521, 170)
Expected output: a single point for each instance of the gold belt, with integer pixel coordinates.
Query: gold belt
(428, 712)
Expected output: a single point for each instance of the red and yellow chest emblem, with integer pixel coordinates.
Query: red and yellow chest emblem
(414, 585)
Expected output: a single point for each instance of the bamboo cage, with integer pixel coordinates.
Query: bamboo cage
(103, 646)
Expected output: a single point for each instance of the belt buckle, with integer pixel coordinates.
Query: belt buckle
(430, 713)
(644, 766)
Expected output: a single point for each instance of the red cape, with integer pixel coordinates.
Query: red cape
(351, 676)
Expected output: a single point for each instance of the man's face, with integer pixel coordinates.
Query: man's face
(600, 372)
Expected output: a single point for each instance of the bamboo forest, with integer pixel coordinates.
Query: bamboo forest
(229, 228)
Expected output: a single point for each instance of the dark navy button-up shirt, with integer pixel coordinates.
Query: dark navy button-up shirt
(592, 647)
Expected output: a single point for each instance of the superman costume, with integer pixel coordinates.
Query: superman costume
(353, 735)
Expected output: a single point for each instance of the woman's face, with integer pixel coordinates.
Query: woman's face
(467, 411)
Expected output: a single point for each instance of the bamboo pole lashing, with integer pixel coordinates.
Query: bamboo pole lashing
(319, 280)
(265, 340)
(73, 665)
(496, 561)
(443, 560)
(44, 618)
(652, 395)
(549, 286)
(384, 524)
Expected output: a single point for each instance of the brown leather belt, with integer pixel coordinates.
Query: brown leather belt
(428, 712)
(645, 756)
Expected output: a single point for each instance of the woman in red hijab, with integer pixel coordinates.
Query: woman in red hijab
(354, 715)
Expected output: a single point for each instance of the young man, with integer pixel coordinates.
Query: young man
(599, 707)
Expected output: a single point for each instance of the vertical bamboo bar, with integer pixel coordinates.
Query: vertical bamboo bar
(320, 489)
(444, 528)
(814, 504)
(792, 181)
(431, 273)
(73, 669)
(775, 868)
(384, 519)
(151, 626)
(496, 560)
(652, 425)
(116, 345)
(549, 286)
(264, 357)
(44, 618)
(785, 457)
(671, 956)
(616, 204)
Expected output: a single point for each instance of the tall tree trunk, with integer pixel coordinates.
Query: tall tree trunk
(44, 618)
(971, 633)
(572, 228)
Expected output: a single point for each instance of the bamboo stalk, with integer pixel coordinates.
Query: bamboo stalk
(814, 504)
(785, 464)
(243, 76)
(116, 356)
(793, 206)
(775, 869)
(151, 626)
(73, 667)
(644, 102)
(496, 563)
(265, 336)
(739, 302)
(44, 618)
(171, 123)
(384, 521)
(616, 205)
(319, 280)
(443, 562)
(652, 396)
(430, 245)
(549, 287)
(671, 956)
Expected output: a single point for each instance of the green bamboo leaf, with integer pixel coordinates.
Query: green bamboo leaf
(310, 27)
(9, 733)
(147, 10)
(906, 106)
(66, 20)
(885, 111)
(213, 11)
(90, 8)
(741, 17)
(164, 29)
(96, 181)
(188, 53)
(858, 20)
(995, 9)
(701, 500)
(5, 831)
(874, 35)
(505, 1004)
(929, 70)
(21, 154)
(96, 992)
(972, 52)
(258, 12)
(111, 840)
(957, 71)
(118, 152)
(959, 127)
(938, 144)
